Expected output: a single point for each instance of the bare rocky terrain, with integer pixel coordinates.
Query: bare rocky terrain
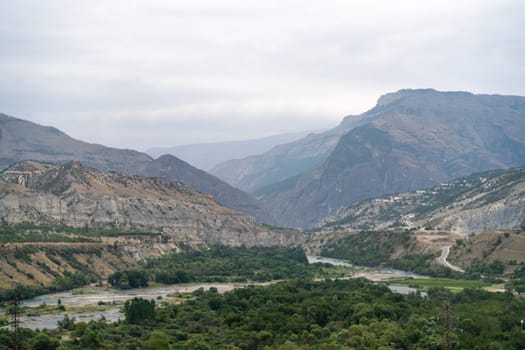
(480, 202)
(74, 195)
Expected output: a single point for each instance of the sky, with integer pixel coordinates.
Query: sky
(140, 74)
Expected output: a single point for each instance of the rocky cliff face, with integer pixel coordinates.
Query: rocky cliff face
(412, 139)
(498, 203)
(80, 196)
(480, 202)
(21, 140)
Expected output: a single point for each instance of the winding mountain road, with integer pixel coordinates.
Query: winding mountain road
(443, 259)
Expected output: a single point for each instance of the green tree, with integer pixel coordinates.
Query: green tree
(157, 341)
(139, 310)
(67, 323)
(44, 341)
(90, 340)
(195, 344)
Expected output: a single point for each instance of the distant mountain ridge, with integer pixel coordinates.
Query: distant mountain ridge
(411, 139)
(490, 200)
(205, 156)
(25, 140)
(74, 195)
(256, 173)
(22, 140)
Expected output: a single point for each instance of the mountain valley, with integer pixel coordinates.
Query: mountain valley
(262, 175)
(257, 174)
(206, 156)
(383, 190)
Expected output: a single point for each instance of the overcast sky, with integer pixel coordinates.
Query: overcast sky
(150, 73)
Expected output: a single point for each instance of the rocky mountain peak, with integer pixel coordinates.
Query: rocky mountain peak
(419, 96)
(413, 139)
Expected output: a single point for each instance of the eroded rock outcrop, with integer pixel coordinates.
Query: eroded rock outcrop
(82, 197)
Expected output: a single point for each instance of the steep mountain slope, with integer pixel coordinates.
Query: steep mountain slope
(413, 139)
(42, 264)
(207, 155)
(22, 140)
(484, 201)
(78, 196)
(171, 167)
(255, 174)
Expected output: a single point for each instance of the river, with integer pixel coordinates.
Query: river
(94, 296)
(372, 273)
(377, 274)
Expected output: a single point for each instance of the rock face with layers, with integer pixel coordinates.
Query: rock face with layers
(74, 195)
(484, 201)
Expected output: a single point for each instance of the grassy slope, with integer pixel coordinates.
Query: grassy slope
(452, 284)
(506, 246)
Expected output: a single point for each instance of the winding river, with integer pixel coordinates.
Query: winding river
(112, 313)
(108, 296)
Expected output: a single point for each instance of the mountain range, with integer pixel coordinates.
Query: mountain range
(22, 140)
(411, 139)
(255, 173)
(205, 156)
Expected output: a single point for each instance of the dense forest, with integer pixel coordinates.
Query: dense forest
(309, 310)
(302, 314)
(221, 264)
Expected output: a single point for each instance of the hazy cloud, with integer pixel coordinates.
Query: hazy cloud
(160, 73)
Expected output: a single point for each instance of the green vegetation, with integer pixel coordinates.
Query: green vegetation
(369, 248)
(495, 268)
(451, 284)
(302, 314)
(223, 264)
(376, 248)
(139, 310)
(517, 281)
(28, 232)
(128, 279)
(66, 282)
